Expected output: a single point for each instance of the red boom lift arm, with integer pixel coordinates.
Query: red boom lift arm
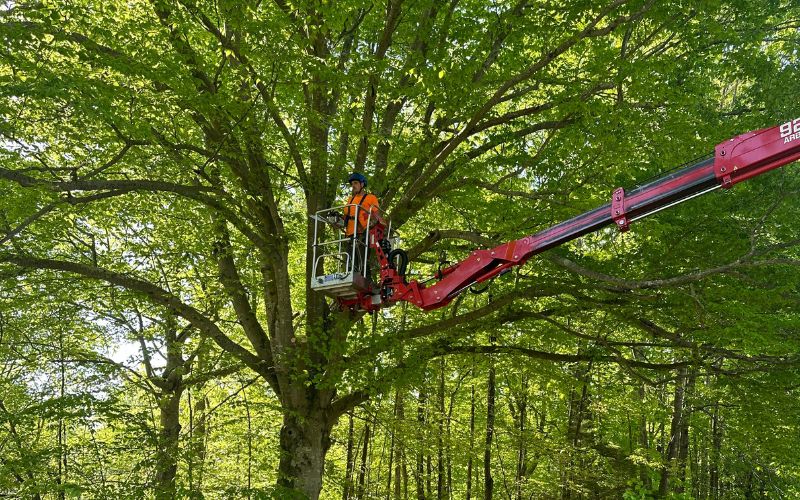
(734, 160)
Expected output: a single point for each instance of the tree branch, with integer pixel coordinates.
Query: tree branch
(158, 296)
(445, 349)
(232, 283)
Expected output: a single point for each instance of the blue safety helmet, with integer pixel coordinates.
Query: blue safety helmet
(356, 176)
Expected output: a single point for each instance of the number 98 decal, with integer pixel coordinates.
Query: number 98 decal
(790, 130)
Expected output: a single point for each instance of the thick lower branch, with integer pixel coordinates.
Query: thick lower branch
(232, 283)
(157, 295)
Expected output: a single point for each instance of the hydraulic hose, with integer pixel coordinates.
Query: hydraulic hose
(403, 266)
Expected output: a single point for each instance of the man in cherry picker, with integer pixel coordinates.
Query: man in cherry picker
(367, 204)
(363, 206)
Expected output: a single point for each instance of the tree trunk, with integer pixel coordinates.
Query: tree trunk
(169, 404)
(643, 436)
(304, 442)
(362, 469)
(428, 476)
(198, 439)
(420, 471)
(449, 435)
(578, 412)
(701, 478)
(440, 439)
(390, 468)
(471, 442)
(488, 482)
(167, 453)
(674, 432)
(398, 444)
(716, 444)
(249, 441)
(683, 448)
(62, 428)
(522, 451)
(348, 478)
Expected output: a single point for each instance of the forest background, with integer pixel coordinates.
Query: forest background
(159, 162)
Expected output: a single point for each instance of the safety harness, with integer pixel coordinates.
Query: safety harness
(348, 216)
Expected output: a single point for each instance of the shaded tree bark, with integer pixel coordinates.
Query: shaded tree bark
(440, 468)
(643, 436)
(304, 443)
(488, 481)
(197, 443)
(421, 442)
(348, 478)
(364, 465)
(578, 402)
(167, 453)
(519, 410)
(716, 453)
(471, 442)
(171, 388)
(674, 442)
(683, 450)
(399, 462)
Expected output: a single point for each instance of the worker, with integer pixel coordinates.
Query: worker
(362, 206)
(367, 204)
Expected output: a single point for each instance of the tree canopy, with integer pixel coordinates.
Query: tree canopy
(160, 161)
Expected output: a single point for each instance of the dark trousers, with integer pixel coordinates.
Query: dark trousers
(358, 260)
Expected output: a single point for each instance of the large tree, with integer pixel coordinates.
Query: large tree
(187, 141)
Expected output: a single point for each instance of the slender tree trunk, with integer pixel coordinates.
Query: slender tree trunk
(701, 480)
(716, 445)
(683, 449)
(198, 425)
(581, 413)
(167, 454)
(522, 416)
(440, 439)
(169, 402)
(362, 469)
(567, 467)
(471, 442)
(62, 428)
(405, 476)
(390, 468)
(420, 471)
(674, 432)
(644, 441)
(695, 461)
(198, 440)
(643, 437)
(249, 442)
(449, 440)
(398, 445)
(348, 478)
(575, 421)
(488, 482)
(428, 476)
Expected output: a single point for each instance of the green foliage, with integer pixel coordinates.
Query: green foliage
(158, 164)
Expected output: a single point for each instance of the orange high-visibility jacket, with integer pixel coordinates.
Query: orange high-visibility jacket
(367, 202)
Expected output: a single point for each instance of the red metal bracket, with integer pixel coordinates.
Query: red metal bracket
(724, 166)
(618, 210)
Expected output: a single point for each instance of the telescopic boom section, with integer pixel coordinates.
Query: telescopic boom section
(738, 159)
